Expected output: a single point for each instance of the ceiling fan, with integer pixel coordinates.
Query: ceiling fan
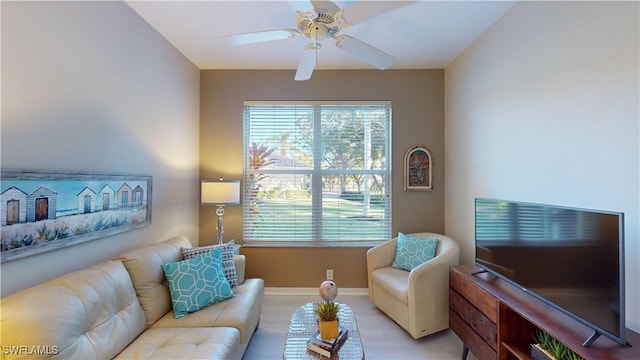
(322, 20)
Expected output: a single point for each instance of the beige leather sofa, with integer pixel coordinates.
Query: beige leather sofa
(122, 309)
(417, 300)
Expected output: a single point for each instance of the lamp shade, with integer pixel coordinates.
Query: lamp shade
(220, 192)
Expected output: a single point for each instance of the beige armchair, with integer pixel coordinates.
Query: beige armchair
(417, 300)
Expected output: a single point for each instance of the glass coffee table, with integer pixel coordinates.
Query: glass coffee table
(304, 324)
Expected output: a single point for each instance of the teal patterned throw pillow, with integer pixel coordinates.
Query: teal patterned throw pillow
(197, 283)
(228, 263)
(412, 251)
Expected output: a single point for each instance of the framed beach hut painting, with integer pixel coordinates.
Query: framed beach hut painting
(46, 211)
(418, 169)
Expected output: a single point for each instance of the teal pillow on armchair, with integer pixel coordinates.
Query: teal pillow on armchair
(412, 251)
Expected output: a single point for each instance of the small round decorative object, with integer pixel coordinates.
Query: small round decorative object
(328, 290)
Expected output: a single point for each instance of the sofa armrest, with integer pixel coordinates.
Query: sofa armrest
(240, 261)
(381, 255)
(425, 276)
(432, 277)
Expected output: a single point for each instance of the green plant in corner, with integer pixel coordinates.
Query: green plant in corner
(558, 350)
(554, 347)
(543, 339)
(573, 356)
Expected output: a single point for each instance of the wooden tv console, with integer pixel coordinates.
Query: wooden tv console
(496, 320)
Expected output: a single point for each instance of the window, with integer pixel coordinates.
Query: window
(317, 172)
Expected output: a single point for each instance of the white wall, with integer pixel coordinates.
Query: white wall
(544, 107)
(91, 87)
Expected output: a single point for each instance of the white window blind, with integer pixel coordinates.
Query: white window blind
(317, 172)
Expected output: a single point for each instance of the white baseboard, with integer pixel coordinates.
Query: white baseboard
(311, 291)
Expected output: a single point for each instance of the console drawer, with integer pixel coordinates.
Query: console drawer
(477, 321)
(483, 301)
(469, 337)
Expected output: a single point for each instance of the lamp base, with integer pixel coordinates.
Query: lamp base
(220, 213)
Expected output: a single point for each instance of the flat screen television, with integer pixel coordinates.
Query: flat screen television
(572, 259)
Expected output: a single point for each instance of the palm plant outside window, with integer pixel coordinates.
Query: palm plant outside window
(317, 172)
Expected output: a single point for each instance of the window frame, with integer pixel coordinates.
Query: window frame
(317, 173)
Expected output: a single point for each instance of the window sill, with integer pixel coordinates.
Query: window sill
(312, 244)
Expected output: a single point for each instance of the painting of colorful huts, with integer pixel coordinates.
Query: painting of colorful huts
(40, 214)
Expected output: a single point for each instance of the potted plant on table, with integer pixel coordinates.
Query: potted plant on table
(327, 312)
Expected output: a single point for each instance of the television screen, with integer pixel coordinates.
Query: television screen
(570, 258)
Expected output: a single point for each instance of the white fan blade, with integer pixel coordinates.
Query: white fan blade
(261, 36)
(301, 5)
(359, 11)
(307, 63)
(364, 51)
(325, 5)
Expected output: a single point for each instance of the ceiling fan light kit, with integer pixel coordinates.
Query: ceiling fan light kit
(323, 22)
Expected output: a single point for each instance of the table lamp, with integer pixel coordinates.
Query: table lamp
(220, 193)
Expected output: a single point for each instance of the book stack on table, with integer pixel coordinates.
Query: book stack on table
(324, 347)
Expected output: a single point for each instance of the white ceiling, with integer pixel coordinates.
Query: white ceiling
(420, 34)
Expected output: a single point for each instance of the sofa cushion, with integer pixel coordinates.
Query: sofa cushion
(145, 268)
(228, 263)
(197, 282)
(176, 343)
(88, 314)
(412, 251)
(241, 312)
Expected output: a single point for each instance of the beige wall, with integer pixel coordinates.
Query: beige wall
(91, 87)
(544, 107)
(417, 106)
